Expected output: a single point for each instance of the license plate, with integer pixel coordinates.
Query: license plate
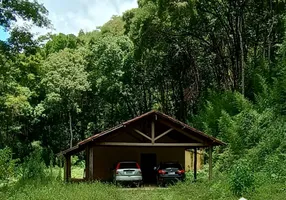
(171, 172)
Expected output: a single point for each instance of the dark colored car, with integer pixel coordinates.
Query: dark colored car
(169, 173)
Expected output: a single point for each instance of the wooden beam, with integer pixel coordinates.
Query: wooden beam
(182, 131)
(67, 168)
(166, 132)
(195, 164)
(210, 162)
(153, 132)
(144, 135)
(135, 136)
(150, 144)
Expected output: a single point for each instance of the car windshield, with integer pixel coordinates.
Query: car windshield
(170, 165)
(128, 165)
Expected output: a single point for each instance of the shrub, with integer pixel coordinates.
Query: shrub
(241, 179)
(7, 164)
(275, 167)
(60, 164)
(33, 166)
(75, 161)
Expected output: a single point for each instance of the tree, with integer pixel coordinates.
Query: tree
(64, 79)
(27, 10)
(107, 68)
(18, 91)
(115, 26)
(203, 44)
(60, 42)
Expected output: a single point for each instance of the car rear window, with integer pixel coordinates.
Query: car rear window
(130, 165)
(170, 165)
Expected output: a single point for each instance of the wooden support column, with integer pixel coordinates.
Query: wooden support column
(86, 169)
(210, 162)
(90, 163)
(195, 164)
(153, 132)
(67, 168)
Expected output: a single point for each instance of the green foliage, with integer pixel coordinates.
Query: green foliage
(246, 130)
(64, 72)
(189, 59)
(220, 106)
(74, 160)
(241, 178)
(33, 166)
(25, 9)
(115, 26)
(60, 42)
(7, 164)
(64, 80)
(21, 40)
(274, 167)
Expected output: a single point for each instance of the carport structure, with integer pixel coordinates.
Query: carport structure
(148, 139)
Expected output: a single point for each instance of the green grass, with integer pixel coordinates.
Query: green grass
(57, 190)
(77, 172)
(49, 188)
(218, 189)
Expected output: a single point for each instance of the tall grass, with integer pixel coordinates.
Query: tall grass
(58, 190)
(202, 189)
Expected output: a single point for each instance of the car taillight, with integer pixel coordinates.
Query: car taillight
(117, 167)
(181, 171)
(138, 166)
(162, 172)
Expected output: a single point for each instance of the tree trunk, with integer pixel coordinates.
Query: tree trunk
(269, 43)
(71, 133)
(240, 24)
(241, 59)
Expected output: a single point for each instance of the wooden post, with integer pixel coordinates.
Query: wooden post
(195, 164)
(153, 132)
(86, 170)
(210, 162)
(90, 164)
(67, 168)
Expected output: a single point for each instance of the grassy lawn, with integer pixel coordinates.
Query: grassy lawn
(200, 190)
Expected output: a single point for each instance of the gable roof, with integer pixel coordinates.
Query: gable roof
(212, 140)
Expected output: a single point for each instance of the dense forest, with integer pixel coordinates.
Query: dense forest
(219, 66)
